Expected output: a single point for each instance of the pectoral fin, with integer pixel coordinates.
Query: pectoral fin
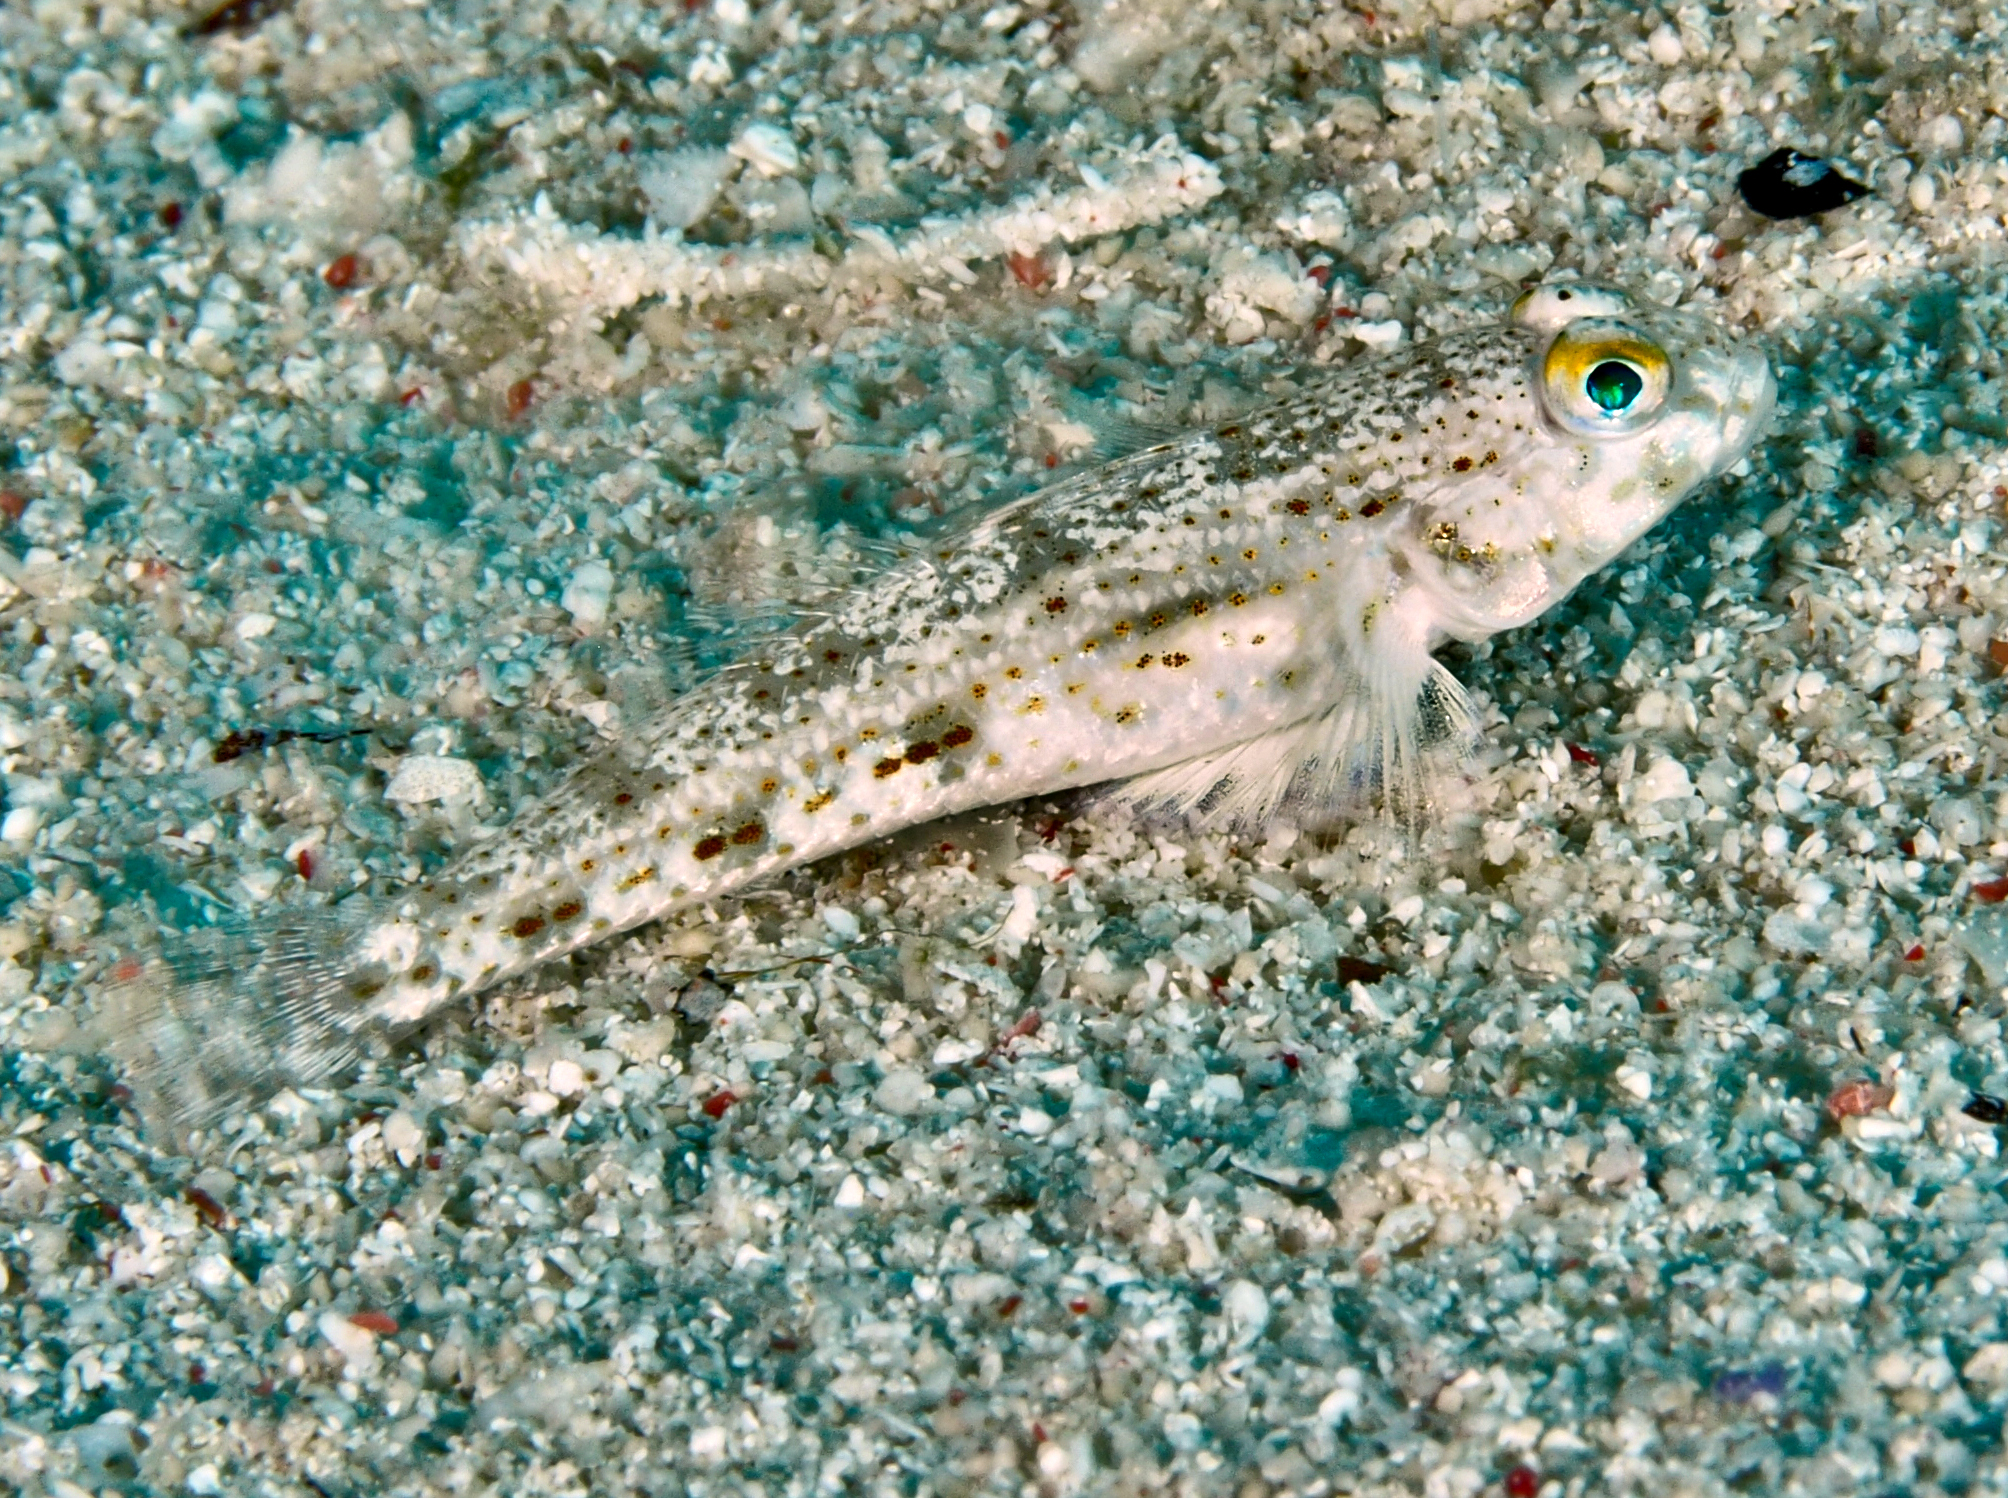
(1386, 746)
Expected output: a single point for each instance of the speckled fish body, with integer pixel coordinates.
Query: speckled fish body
(1225, 620)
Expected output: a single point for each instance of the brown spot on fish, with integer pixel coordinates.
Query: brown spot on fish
(709, 847)
(887, 767)
(571, 910)
(1177, 659)
(925, 750)
(959, 735)
(623, 798)
(748, 833)
(638, 878)
(527, 926)
(817, 802)
(1056, 605)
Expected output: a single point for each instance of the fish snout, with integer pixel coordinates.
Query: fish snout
(1753, 396)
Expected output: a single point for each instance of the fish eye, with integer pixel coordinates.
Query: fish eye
(1614, 385)
(1601, 377)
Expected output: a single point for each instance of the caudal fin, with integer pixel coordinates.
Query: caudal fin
(223, 1018)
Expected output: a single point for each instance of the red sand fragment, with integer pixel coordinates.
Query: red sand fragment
(208, 1208)
(341, 272)
(718, 1102)
(517, 399)
(1854, 1099)
(1992, 891)
(381, 1322)
(1030, 271)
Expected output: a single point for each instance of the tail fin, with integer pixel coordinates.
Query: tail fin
(221, 1019)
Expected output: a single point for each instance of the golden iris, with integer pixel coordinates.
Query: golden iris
(1603, 377)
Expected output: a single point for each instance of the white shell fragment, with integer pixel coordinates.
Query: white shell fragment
(356, 1344)
(768, 149)
(589, 593)
(432, 777)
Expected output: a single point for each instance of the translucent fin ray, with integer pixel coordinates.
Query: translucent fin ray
(1387, 743)
(225, 1017)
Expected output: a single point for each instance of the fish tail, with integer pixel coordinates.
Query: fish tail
(220, 1019)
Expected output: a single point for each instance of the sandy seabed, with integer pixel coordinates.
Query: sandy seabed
(398, 397)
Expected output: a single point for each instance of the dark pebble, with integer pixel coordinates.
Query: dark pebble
(1986, 1108)
(1742, 1387)
(1791, 184)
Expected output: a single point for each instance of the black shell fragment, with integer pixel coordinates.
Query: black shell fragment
(1985, 1108)
(1791, 184)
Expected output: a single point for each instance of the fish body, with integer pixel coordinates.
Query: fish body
(1231, 622)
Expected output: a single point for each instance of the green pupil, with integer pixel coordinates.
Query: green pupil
(1613, 386)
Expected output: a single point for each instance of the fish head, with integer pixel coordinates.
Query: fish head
(1620, 412)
